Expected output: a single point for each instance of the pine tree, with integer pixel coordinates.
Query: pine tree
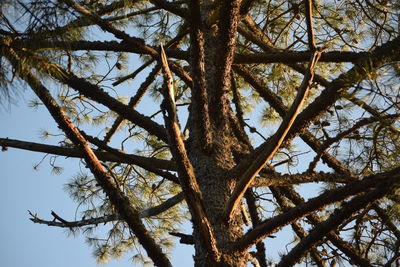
(244, 103)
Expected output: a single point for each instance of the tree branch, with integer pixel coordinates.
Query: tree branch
(199, 106)
(120, 201)
(297, 228)
(119, 157)
(270, 226)
(292, 57)
(255, 219)
(345, 247)
(310, 29)
(150, 212)
(323, 228)
(269, 148)
(144, 164)
(275, 102)
(341, 135)
(134, 101)
(171, 7)
(364, 67)
(277, 179)
(187, 177)
(184, 238)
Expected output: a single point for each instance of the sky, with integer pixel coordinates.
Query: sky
(24, 243)
(23, 188)
(40, 191)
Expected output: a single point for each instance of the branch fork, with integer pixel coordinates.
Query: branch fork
(271, 146)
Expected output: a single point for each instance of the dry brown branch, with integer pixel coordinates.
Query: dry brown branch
(187, 177)
(269, 148)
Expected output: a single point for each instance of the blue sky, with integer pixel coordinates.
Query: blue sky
(24, 243)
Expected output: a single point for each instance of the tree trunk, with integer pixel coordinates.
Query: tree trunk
(216, 188)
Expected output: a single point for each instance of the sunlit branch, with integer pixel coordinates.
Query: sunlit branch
(150, 212)
(119, 200)
(269, 148)
(270, 226)
(297, 228)
(338, 216)
(187, 177)
(277, 179)
(346, 247)
(134, 101)
(310, 29)
(102, 155)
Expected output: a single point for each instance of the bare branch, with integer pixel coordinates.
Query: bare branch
(187, 177)
(200, 108)
(270, 226)
(277, 179)
(345, 247)
(150, 212)
(322, 229)
(269, 148)
(119, 157)
(116, 196)
(310, 30)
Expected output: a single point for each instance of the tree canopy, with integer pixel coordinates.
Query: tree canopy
(218, 113)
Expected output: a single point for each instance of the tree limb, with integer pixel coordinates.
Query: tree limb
(277, 179)
(187, 177)
(323, 228)
(345, 247)
(275, 102)
(270, 226)
(121, 157)
(269, 148)
(153, 211)
(120, 201)
(310, 29)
